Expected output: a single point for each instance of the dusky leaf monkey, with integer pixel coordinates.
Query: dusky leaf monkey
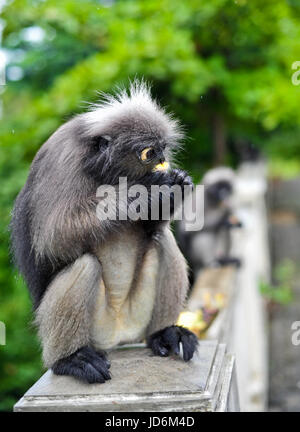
(96, 284)
(211, 246)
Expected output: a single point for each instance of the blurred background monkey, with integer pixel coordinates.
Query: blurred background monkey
(96, 284)
(211, 245)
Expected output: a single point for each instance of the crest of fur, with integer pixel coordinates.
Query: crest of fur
(65, 252)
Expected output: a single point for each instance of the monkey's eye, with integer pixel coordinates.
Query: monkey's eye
(100, 143)
(147, 154)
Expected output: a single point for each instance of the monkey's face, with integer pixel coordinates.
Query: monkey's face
(128, 153)
(219, 193)
(128, 137)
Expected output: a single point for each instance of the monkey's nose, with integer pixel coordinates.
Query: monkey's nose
(161, 157)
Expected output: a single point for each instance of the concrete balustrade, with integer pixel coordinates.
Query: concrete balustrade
(229, 370)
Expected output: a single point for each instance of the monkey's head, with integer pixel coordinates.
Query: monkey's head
(127, 134)
(219, 184)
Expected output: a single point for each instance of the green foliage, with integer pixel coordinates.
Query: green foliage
(20, 363)
(281, 292)
(225, 57)
(283, 168)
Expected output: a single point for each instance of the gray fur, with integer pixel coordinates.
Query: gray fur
(55, 219)
(65, 219)
(62, 220)
(64, 315)
(172, 285)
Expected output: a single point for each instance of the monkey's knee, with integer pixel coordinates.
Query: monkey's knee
(167, 341)
(85, 364)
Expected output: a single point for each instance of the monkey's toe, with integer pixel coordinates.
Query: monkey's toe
(103, 355)
(229, 261)
(85, 364)
(167, 341)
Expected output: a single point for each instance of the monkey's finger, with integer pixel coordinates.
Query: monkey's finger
(176, 348)
(90, 356)
(103, 354)
(187, 349)
(171, 337)
(92, 375)
(158, 348)
(100, 365)
(189, 344)
(181, 177)
(89, 372)
(79, 369)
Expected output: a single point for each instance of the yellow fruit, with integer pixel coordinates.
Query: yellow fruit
(161, 167)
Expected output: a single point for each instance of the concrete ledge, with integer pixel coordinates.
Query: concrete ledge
(142, 382)
(213, 282)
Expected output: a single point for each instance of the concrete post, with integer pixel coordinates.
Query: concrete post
(143, 382)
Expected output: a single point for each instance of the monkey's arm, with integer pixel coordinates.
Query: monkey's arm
(172, 285)
(171, 293)
(63, 318)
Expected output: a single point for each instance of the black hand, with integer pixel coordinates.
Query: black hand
(180, 177)
(168, 179)
(85, 364)
(167, 340)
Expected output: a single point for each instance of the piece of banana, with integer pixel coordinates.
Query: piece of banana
(161, 166)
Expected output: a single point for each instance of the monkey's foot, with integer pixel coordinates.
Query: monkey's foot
(227, 261)
(233, 225)
(85, 364)
(166, 341)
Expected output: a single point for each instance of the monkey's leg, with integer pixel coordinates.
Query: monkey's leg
(171, 293)
(63, 318)
(223, 247)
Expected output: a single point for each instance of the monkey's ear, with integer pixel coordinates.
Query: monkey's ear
(100, 142)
